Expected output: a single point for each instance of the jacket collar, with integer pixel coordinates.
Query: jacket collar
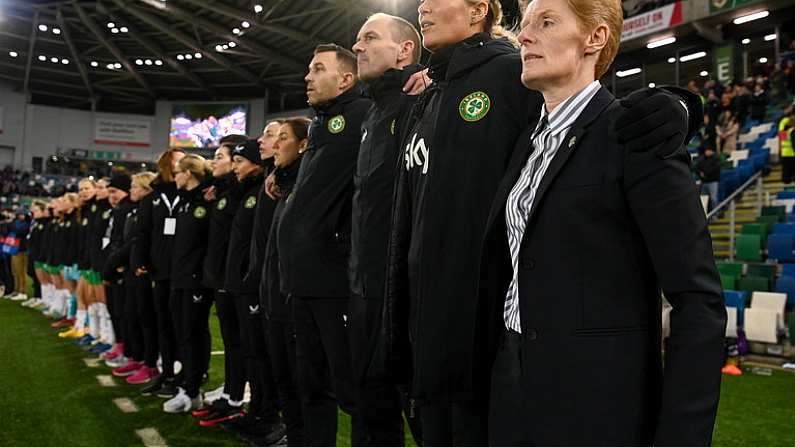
(390, 84)
(336, 105)
(474, 51)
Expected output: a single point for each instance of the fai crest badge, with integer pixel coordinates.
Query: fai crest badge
(221, 204)
(199, 212)
(336, 124)
(474, 107)
(251, 202)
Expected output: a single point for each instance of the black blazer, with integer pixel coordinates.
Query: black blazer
(608, 230)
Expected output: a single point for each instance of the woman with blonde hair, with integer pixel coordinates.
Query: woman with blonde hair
(583, 236)
(458, 141)
(190, 299)
(151, 258)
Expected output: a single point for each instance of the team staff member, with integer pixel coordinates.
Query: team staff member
(387, 49)
(576, 214)
(459, 140)
(119, 197)
(229, 405)
(152, 259)
(190, 301)
(314, 245)
(36, 239)
(244, 288)
(139, 318)
(292, 139)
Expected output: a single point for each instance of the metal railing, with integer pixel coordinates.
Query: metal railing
(730, 205)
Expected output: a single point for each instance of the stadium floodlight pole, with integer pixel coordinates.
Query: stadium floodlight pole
(183, 38)
(276, 56)
(73, 50)
(89, 23)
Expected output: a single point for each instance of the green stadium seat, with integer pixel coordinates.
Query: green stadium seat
(764, 270)
(769, 220)
(753, 284)
(780, 211)
(760, 229)
(792, 327)
(734, 269)
(728, 282)
(749, 247)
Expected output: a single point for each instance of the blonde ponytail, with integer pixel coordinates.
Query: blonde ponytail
(493, 23)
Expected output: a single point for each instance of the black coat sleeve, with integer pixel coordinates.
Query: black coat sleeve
(665, 204)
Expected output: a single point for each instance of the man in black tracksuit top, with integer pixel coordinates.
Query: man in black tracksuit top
(244, 288)
(119, 188)
(378, 399)
(153, 253)
(314, 246)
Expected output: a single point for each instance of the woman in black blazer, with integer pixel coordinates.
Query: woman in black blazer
(583, 235)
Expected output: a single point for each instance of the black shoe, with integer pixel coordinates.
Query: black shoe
(154, 387)
(168, 390)
(265, 433)
(221, 412)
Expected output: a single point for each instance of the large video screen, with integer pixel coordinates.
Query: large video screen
(203, 125)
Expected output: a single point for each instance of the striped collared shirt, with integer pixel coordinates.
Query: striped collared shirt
(547, 138)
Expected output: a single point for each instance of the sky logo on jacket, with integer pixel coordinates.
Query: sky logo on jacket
(417, 154)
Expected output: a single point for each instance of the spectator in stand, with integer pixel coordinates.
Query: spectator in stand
(778, 85)
(727, 134)
(741, 103)
(785, 135)
(709, 134)
(707, 168)
(759, 102)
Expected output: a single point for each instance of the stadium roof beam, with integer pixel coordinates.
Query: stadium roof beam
(241, 15)
(189, 42)
(94, 28)
(31, 43)
(157, 50)
(73, 50)
(226, 34)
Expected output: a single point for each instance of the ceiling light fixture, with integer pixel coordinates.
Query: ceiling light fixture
(158, 62)
(692, 57)
(42, 27)
(94, 64)
(42, 57)
(56, 31)
(139, 62)
(770, 37)
(630, 72)
(197, 55)
(661, 42)
(13, 53)
(751, 17)
(180, 57)
(762, 60)
(148, 62)
(746, 41)
(245, 24)
(232, 44)
(258, 8)
(111, 25)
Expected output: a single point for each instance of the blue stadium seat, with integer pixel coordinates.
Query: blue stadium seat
(786, 284)
(791, 218)
(784, 228)
(786, 195)
(781, 246)
(737, 300)
(788, 270)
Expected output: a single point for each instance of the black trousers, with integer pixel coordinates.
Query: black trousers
(147, 320)
(455, 425)
(264, 398)
(281, 349)
(191, 307)
(167, 338)
(787, 169)
(133, 333)
(508, 398)
(115, 295)
(234, 372)
(380, 404)
(325, 373)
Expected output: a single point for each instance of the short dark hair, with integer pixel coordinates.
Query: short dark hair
(345, 58)
(233, 139)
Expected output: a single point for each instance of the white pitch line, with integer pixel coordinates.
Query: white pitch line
(125, 405)
(106, 381)
(217, 353)
(151, 437)
(92, 362)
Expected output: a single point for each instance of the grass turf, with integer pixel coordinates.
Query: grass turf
(50, 397)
